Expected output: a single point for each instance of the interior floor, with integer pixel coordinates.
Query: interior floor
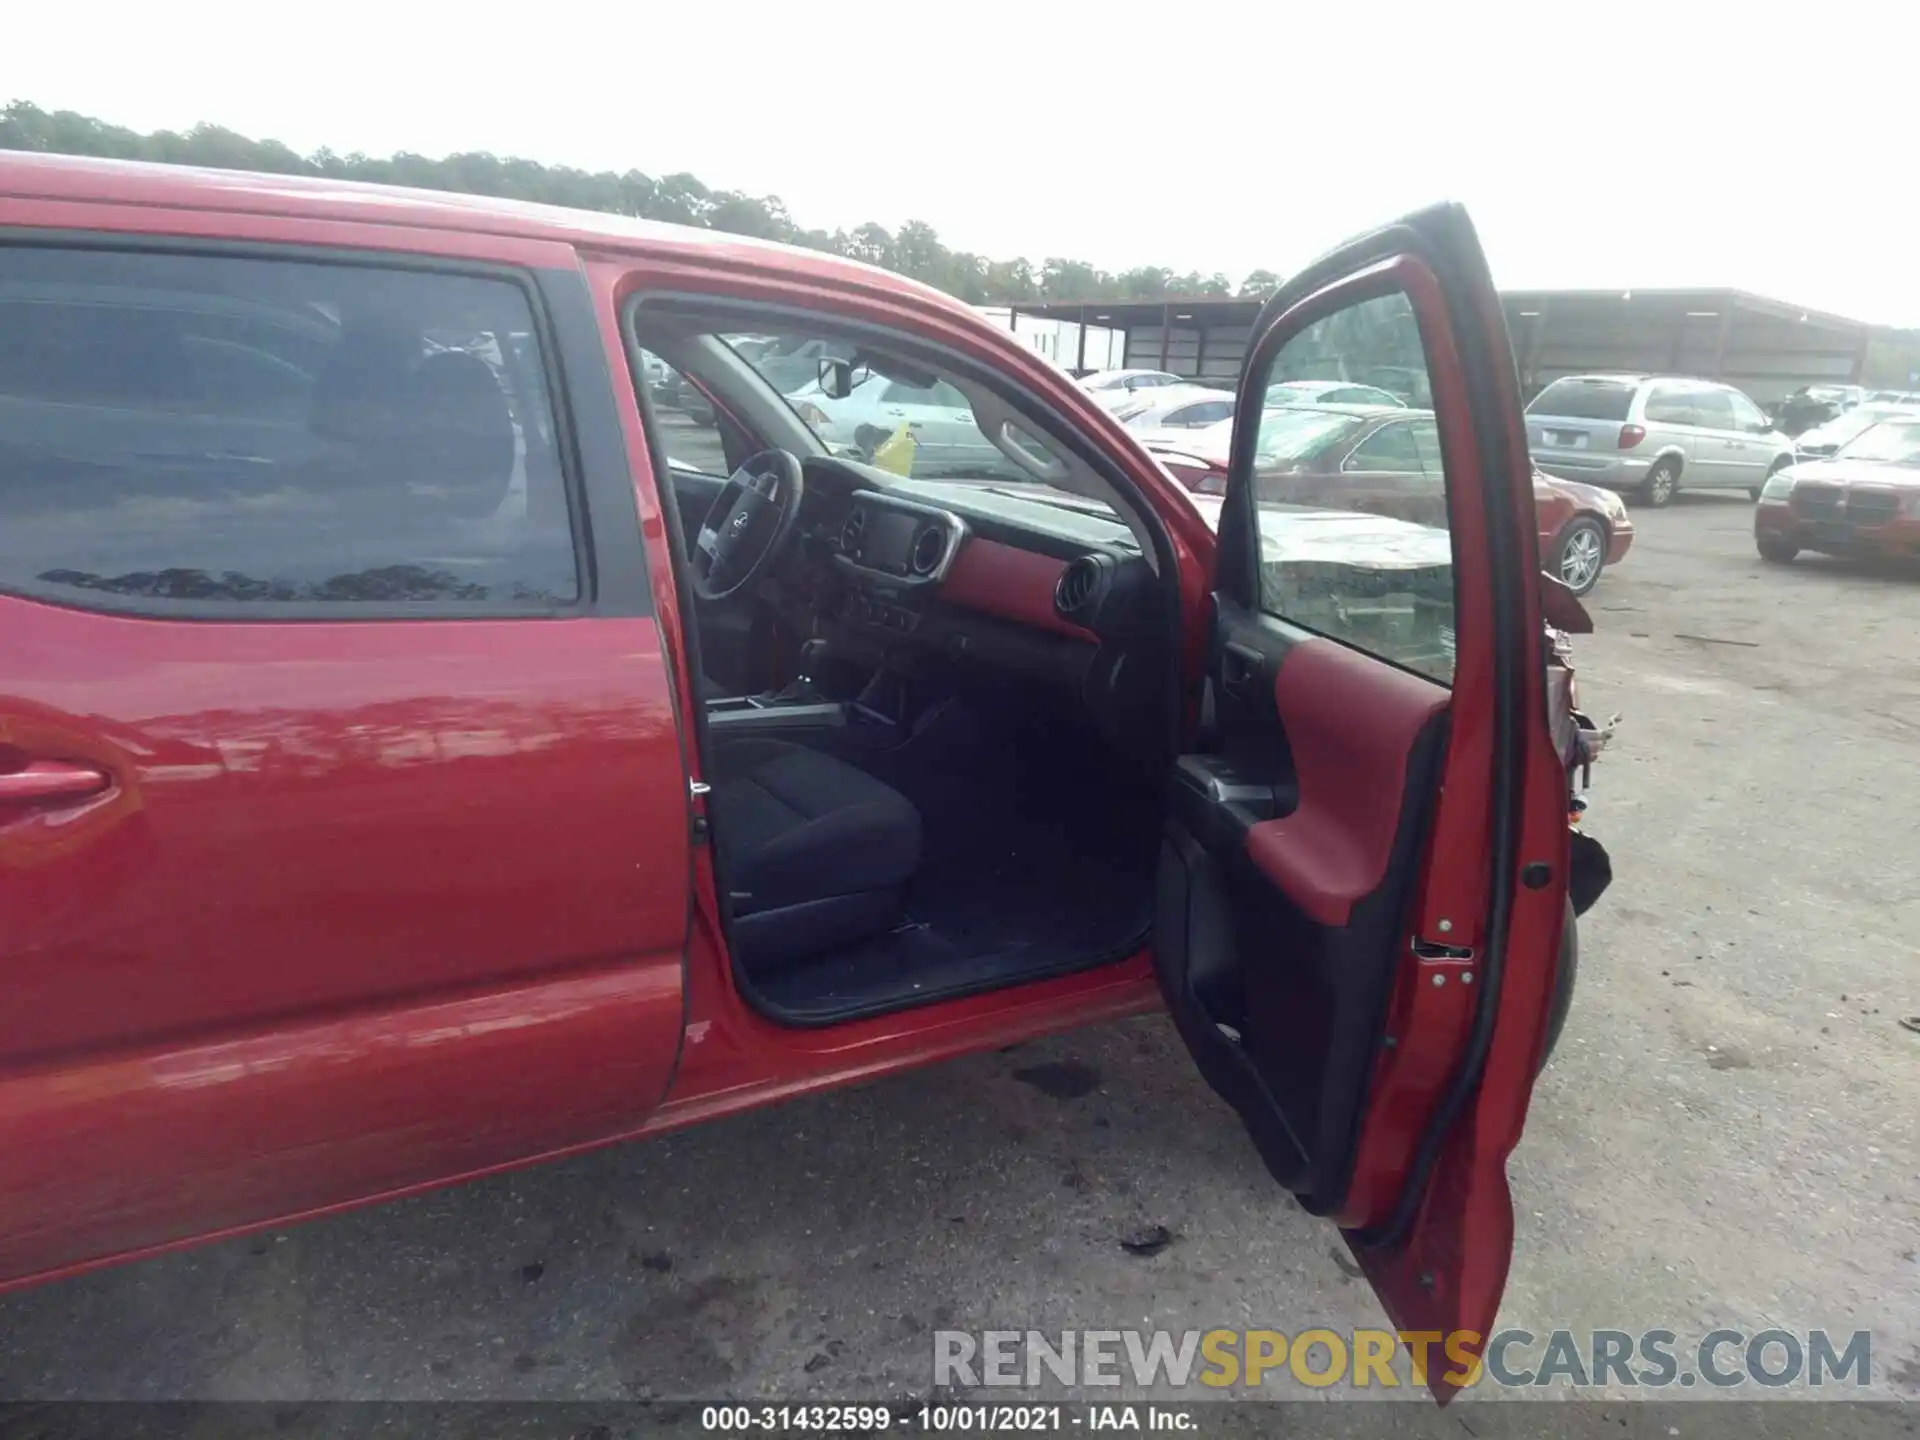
(1038, 851)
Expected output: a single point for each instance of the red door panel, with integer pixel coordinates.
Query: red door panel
(365, 904)
(327, 815)
(112, 1155)
(314, 564)
(1352, 729)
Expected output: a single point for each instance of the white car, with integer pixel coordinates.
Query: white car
(1175, 407)
(947, 439)
(1821, 442)
(1112, 388)
(1329, 392)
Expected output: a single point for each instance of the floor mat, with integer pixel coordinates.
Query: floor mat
(1038, 854)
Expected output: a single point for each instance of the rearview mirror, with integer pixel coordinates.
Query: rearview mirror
(836, 378)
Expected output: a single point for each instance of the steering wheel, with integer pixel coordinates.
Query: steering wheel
(748, 525)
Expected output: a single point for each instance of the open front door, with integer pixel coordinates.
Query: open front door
(1365, 873)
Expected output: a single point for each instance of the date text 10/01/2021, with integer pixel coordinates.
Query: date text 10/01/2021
(944, 1419)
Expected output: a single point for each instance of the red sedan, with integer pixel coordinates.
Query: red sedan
(1864, 501)
(420, 756)
(1386, 461)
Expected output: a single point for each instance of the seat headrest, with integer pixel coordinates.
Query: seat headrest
(461, 428)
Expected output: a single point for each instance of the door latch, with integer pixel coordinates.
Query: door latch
(1437, 950)
(699, 790)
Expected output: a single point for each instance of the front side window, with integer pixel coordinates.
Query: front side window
(259, 432)
(1671, 405)
(1360, 551)
(1714, 409)
(1390, 450)
(684, 419)
(1746, 414)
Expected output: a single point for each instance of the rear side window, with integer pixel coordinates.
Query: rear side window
(251, 434)
(1584, 399)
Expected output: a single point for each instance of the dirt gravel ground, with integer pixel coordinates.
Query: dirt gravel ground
(1727, 1137)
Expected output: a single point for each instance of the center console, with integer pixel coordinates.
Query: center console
(893, 553)
(801, 704)
(767, 714)
(898, 544)
(890, 554)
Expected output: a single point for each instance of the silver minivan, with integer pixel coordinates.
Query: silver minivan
(1653, 434)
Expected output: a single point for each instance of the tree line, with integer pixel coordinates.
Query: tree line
(915, 249)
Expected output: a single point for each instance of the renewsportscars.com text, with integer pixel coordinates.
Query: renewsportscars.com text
(1218, 1359)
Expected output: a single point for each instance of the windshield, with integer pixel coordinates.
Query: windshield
(916, 430)
(1294, 433)
(1843, 428)
(1893, 442)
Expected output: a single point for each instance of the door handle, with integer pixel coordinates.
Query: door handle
(43, 780)
(1239, 665)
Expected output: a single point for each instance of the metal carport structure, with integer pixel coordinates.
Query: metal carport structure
(1766, 347)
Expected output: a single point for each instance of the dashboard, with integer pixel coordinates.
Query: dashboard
(1017, 579)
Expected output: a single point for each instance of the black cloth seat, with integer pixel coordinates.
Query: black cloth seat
(814, 853)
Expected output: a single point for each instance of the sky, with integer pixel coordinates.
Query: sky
(1624, 145)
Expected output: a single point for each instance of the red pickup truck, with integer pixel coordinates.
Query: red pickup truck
(422, 754)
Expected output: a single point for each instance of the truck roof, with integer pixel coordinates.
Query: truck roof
(33, 176)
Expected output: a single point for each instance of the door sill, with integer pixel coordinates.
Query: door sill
(982, 976)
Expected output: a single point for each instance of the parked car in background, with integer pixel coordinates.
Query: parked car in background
(1824, 440)
(1583, 529)
(1865, 500)
(1383, 461)
(1653, 434)
(1175, 407)
(680, 393)
(1330, 392)
(787, 364)
(1893, 397)
(1115, 387)
(1813, 405)
(1408, 384)
(947, 440)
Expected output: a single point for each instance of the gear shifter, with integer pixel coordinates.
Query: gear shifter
(803, 689)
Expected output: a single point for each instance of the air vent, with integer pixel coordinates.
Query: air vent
(1077, 588)
(928, 546)
(852, 531)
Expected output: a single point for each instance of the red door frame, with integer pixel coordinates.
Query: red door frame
(122, 1146)
(1445, 1268)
